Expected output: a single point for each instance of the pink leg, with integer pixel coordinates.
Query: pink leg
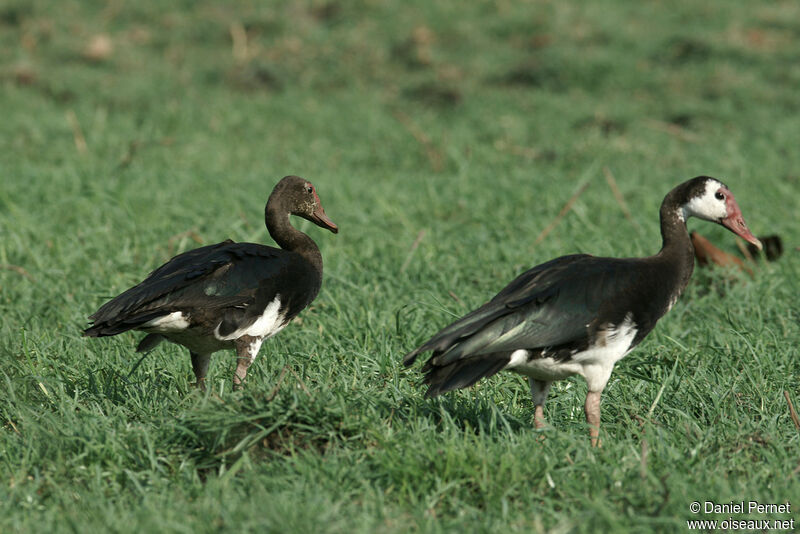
(538, 416)
(592, 409)
(200, 368)
(539, 390)
(241, 371)
(246, 351)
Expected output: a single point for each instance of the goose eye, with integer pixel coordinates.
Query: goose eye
(719, 196)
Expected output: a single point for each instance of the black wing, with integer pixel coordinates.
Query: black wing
(211, 278)
(555, 304)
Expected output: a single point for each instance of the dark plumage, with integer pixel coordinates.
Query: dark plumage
(578, 314)
(228, 295)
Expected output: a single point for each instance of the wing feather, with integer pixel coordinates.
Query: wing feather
(225, 275)
(550, 305)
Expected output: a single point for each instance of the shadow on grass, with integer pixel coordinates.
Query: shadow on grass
(216, 431)
(281, 420)
(128, 388)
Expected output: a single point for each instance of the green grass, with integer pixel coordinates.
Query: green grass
(470, 122)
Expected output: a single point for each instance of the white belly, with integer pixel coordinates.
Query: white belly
(544, 369)
(267, 325)
(176, 327)
(594, 364)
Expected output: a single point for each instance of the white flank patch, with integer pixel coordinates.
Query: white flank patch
(518, 357)
(545, 369)
(611, 346)
(594, 364)
(598, 361)
(269, 324)
(173, 322)
(706, 206)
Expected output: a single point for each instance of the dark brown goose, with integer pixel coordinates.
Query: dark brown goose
(578, 314)
(229, 295)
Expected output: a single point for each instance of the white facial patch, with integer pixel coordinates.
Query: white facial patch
(173, 322)
(706, 206)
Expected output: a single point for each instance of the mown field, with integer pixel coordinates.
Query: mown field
(443, 138)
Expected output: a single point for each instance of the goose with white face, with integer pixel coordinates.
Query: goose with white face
(716, 204)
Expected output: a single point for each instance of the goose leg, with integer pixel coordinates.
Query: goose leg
(200, 368)
(592, 409)
(149, 342)
(246, 351)
(539, 391)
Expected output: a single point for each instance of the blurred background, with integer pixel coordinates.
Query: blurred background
(401, 112)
